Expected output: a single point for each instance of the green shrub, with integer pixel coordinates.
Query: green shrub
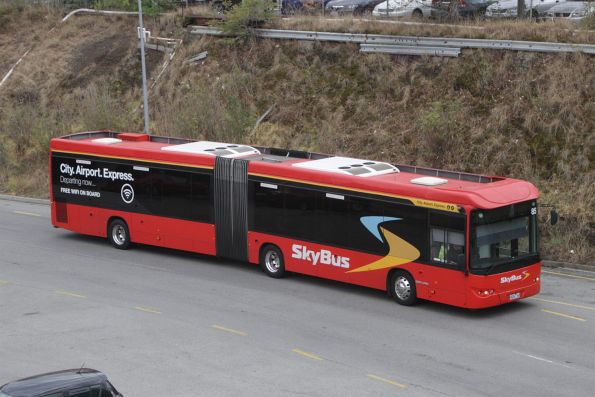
(243, 17)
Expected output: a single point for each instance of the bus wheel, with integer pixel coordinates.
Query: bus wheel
(271, 261)
(118, 234)
(402, 288)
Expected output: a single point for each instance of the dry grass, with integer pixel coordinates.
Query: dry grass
(524, 115)
(22, 27)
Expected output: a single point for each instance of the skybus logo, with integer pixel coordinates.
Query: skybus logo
(514, 277)
(324, 257)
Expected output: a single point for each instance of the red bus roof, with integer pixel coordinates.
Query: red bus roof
(451, 188)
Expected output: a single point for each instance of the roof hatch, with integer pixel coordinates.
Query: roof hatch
(213, 148)
(429, 181)
(349, 166)
(107, 141)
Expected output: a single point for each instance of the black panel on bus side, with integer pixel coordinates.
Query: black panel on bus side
(231, 207)
(155, 189)
(308, 214)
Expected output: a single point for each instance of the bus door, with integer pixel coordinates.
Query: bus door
(447, 279)
(231, 208)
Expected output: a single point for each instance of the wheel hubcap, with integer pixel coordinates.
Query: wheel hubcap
(402, 288)
(272, 261)
(119, 234)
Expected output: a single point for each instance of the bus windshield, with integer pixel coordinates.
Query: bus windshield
(504, 239)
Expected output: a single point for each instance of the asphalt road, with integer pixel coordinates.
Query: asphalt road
(162, 322)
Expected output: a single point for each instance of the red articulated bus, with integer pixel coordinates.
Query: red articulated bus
(462, 239)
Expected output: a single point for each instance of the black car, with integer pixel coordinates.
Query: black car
(83, 382)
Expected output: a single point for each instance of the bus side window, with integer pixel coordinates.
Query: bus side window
(447, 240)
(448, 247)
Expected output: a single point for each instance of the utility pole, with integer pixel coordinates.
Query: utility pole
(144, 69)
(520, 9)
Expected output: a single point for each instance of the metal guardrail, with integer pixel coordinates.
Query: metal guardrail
(410, 50)
(513, 45)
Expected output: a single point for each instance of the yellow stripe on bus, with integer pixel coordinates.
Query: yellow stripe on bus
(133, 159)
(450, 207)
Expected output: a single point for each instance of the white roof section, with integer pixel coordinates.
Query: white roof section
(349, 166)
(213, 148)
(107, 141)
(429, 181)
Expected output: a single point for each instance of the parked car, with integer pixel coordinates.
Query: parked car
(83, 382)
(571, 9)
(508, 8)
(293, 6)
(356, 7)
(404, 8)
(465, 8)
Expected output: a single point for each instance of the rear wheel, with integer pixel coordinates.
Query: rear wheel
(271, 261)
(402, 288)
(118, 234)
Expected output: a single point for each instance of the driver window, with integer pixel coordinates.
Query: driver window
(448, 247)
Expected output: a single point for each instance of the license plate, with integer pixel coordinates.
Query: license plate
(514, 296)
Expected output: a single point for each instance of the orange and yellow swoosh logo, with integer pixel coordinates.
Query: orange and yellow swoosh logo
(400, 252)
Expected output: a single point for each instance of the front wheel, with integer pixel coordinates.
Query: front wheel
(402, 288)
(417, 14)
(271, 261)
(118, 234)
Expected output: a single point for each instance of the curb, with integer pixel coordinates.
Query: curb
(567, 265)
(24, 199)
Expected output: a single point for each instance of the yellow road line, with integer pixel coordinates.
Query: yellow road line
(569, 275)
(306, 354)
(26, 213)
(231, 331)
(147, 310)
(564, 303)
(390, 382)
(3, 282)
(563, 315)
(71, 294)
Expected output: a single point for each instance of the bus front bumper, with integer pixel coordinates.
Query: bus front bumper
(478, 299)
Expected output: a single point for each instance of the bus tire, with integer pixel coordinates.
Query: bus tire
(271, 261)
(402, 288)
(118, 234)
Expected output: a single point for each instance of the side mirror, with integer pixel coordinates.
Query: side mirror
(553, 217)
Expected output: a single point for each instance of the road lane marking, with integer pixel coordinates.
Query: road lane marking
(569, 275)
(4, 282)
(147, 310)
(563, 315)
(26, 213)
(71, 294)
(306, 354)
(388, 381)
(564, 303)
(541, 359)
(231, 331)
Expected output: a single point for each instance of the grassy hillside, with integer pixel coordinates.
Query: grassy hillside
(525, 115)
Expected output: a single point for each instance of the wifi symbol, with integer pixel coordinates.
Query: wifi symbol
(127, 193)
